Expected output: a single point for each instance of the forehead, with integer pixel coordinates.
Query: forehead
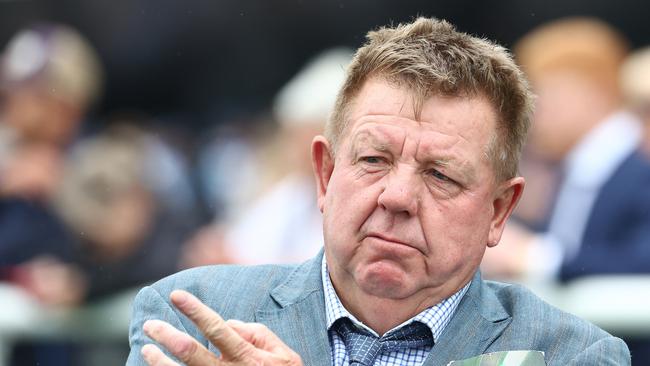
(380, 106)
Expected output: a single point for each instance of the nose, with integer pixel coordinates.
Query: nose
(400, 192)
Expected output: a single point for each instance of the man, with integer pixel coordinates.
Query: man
(416, 177)
(599, 223)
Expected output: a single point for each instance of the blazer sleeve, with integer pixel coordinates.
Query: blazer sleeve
(609, 351)
(150, 304)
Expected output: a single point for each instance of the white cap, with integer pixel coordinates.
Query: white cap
(310, 95)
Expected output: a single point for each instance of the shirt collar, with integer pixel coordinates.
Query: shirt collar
(436, 317)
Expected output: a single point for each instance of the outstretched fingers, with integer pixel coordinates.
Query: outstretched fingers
(257, 334)
(265, 340)
(232, 346)
(181, 345)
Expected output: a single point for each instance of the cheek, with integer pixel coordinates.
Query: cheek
(457, 227)
(350, 199)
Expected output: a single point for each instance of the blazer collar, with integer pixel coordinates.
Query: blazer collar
(300, 318)
(479, 319)
(301, 282)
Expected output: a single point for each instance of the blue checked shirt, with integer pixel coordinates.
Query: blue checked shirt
(436, 318)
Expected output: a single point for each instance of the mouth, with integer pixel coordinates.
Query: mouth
(385, 238)
(390, 239)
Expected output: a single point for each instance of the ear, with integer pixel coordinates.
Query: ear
(505, 200)
(322, 159)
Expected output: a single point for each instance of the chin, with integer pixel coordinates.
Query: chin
(382, 280)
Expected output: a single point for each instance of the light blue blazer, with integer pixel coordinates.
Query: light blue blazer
(289, 300)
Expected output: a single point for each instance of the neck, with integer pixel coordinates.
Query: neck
(382, 314)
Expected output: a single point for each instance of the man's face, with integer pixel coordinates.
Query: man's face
(410, 205)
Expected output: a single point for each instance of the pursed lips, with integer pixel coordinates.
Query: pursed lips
(393, 240)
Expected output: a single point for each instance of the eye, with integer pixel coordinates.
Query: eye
(372, 159)
(439, 176)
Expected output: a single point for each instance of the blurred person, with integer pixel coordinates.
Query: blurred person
(124, 235)
(283, 224)
(416, 176)
(599, 219)
(119, 232)
(49, 77)
(632, 199)
(233, 155)
(599, 222)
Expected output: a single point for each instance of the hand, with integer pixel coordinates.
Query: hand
(240, 343)
(52, 282)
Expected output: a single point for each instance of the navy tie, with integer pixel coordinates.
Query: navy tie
(363, 348)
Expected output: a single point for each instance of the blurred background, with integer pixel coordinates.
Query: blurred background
(140, 138)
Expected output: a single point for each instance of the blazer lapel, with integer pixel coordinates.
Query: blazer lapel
(479, 320)
(300, 320)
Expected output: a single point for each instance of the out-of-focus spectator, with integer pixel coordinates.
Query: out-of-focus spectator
(119, 230)
(284, 223)
(634, 180)
(599, 221)
(232, 156)
(600, 218)
(123, 233)
(49, 76)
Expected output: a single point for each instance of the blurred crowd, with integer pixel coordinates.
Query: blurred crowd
(88, 212)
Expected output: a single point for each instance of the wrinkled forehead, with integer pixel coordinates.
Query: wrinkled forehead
(379, 101)
(381, 132)
(410, 103)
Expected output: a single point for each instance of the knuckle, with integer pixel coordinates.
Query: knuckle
(185, 350)
(214, 329)
(243, 352)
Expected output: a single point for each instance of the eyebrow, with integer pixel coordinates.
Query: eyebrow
(467, 171)
(365, 135)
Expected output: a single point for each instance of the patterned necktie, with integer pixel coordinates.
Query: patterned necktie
(363, 348)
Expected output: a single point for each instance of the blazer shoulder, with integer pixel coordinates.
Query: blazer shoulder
(562, 336)
(526, 307)
(227, 287)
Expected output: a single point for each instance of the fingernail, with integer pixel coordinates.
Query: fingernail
(179, 297)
